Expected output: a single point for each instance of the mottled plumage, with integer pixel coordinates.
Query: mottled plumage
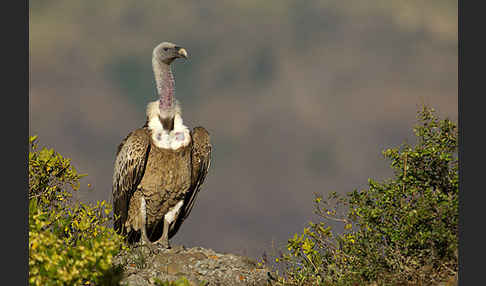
(130, 162)
(200, 162)
(159, 168)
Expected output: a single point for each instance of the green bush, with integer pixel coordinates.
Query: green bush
(402, 231)
(69, 243)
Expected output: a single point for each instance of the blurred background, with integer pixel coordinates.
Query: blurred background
(299, 96)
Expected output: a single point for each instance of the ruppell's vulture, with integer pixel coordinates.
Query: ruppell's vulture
(160, 167)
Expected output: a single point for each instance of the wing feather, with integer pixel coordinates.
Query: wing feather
(200, 163)
(130, 162)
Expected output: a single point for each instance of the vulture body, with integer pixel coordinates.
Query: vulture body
(160, 167)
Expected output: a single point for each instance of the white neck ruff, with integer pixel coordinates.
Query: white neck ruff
(178, 137)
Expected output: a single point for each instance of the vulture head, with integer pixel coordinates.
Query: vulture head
(166, 52)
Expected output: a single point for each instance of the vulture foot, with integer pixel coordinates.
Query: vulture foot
(163, 243)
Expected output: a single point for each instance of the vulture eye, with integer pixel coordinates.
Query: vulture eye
(165, 49)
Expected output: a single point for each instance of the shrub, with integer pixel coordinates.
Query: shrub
(69, 243)
(402, 231)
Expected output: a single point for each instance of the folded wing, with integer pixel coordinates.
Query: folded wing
(200, 162)
(130, 162)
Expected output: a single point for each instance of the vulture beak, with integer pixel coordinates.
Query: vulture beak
(182, 53)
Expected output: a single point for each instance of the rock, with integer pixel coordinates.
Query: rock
(173, 268)
(198, 265)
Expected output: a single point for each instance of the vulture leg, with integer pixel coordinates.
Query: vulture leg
(169, 218)
(144, 240)
(164, 239)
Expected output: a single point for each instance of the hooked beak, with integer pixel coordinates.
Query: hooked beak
(182, 53)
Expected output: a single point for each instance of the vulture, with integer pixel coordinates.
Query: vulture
(160, 167)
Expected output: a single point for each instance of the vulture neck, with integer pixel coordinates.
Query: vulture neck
(164, 80)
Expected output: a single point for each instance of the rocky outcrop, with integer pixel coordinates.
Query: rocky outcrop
(199, 265)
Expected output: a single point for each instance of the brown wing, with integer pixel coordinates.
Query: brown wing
(200, 162)
(130, 162)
